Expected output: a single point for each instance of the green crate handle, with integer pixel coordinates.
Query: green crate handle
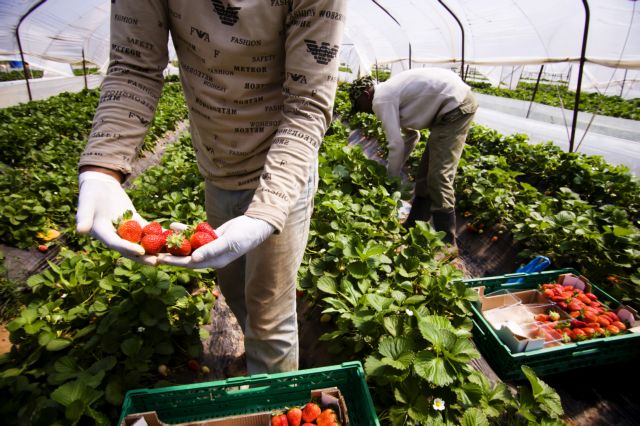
(586, 352)
(478, 328)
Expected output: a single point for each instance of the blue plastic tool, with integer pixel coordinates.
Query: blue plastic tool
(539, 263)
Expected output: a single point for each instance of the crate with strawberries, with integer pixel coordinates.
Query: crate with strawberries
(331, 395)
(155, 239)
(552, 321)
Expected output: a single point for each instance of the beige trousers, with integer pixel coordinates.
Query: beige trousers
(260, 287)
(437, 170)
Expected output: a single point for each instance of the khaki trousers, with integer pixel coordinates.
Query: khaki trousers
(260, 287)
(437, 170)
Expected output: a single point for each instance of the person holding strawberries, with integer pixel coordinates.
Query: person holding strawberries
(259, 78)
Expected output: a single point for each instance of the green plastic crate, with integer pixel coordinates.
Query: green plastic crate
(202, 401)
(547, 361)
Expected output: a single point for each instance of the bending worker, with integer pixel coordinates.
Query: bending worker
(425, 98)
(259, 78)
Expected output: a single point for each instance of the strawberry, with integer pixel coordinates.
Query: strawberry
(310, 412)
(198, 239)
(42, 248)
(205, 227)
(128, 229)
(328, 417)
(193, 365)
(152, 228)
(294, 416)
(153, 243)
(178, 244)
(279, 420)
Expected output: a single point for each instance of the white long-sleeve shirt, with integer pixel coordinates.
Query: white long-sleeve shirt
(414, 99)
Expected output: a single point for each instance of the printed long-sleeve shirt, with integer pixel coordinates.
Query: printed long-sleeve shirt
(259, 78)
(415, 99)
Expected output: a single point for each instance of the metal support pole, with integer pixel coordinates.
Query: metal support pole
(535, 90)
(462, 76)
(623, 80)
(24, 70)
(84, 70)
(580, 71)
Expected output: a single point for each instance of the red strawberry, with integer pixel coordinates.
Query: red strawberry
(193, 365)
(42, 248)
(178, 245)
(328, 417)
(152, 228)
(198, 239)
(152, 243)
(128, 228)
(279, 420)
(205, 227)
(310, 412)
(294, 416)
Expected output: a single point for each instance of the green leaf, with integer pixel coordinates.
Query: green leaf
(396, 351)
(432, 369)
(66, 365)
(327, 284)
(75, 391)
(546, 396)
(74, 411)
(131, 346)
(358, 269)
(114, 392)
(393, 324)
(57, 344)
(474, 417)
(377, 302)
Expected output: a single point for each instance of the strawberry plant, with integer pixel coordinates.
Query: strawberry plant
(375, 283)
(560, 96)
(41, 142)
(94, 326)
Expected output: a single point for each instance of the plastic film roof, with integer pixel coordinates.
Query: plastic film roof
(497, 33)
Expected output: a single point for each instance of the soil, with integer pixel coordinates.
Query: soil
(606, 395)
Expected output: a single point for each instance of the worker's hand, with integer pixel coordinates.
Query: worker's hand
(102, 200)
(395, 159)
(235, 238)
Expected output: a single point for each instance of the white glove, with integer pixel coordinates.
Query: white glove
(236, 237)
(395, 159)
(102, 200)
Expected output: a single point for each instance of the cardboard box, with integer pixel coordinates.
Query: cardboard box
(505, 298)
(512, 315)
(151, 419)
(332, 398)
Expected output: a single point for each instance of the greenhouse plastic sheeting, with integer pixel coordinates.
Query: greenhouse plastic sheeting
(15, 92)
(385, 32)
(617, 140)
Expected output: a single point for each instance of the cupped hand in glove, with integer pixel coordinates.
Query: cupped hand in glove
(101, 200)
(236, 237)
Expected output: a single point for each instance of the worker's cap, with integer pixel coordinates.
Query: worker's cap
(357, 88)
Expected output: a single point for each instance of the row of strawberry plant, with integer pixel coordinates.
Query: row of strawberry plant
(95, 325)
(575, 209)
(397, 303)
(43, 141)
(561, 96)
